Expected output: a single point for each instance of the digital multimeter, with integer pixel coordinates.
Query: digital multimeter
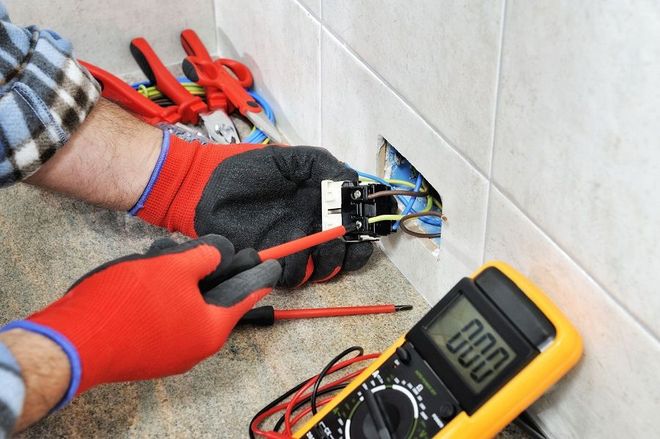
(475, 361)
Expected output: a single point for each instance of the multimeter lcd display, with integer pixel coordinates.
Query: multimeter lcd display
(475, 350)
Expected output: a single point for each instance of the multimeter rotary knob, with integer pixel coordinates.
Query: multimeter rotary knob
(399, 411)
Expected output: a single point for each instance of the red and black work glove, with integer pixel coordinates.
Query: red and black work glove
(144, 316)
(257, 196)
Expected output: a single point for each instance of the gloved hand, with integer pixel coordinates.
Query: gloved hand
(257, 196)
(144, 316)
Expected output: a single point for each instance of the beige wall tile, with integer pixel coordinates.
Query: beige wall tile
(578, 140)
(613, 392)
(101, 31)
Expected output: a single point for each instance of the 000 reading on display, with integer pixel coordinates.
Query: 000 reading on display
(477, 352)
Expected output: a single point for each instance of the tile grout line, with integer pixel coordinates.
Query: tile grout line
(498, 76)
(491, 184)
(216, 29)
(321, 75)
(309, 11)
(319, 20)
(650, 332)
(405, 101)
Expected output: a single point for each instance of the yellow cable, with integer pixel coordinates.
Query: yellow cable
(379, 218)
(400, 182)
(152, 92)
(429, 204)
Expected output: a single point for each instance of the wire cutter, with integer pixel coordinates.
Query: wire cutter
(216, 99)
(191, 108)
(207, 73)
(123, 94)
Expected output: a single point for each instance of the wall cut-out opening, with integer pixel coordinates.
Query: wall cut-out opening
(395, 168)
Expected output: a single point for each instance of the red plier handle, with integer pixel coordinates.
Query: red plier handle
(123, 94)
(215, 98)
(189, 105)
(207, 73)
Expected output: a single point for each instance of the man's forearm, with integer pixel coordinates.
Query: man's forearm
(107, 161)
(45, 370)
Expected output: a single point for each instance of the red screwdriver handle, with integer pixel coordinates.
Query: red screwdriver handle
(215, 98)
(208, 73)
(123, 94)
(189, 105)
(297, 245)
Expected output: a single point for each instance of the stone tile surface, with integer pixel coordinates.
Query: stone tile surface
(577, 145)
(617, 377)
(279, 41)
(439, 55)
(358, 109)
(101, 31)
(49, 241)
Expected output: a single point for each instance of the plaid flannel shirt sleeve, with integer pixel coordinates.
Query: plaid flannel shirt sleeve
(12, 392)
(44, 97)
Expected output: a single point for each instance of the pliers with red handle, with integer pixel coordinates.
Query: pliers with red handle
(216, 98)
(217, 122)
(204, 71)
(123, 94)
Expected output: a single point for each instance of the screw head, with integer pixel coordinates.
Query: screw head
(357, 194)
(358, 224)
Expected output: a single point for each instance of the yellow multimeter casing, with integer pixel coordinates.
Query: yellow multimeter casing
(552, 359)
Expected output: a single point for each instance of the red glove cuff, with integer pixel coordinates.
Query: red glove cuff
(182, 179)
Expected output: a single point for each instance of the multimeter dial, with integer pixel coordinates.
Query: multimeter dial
(411, 399)
(396, 401)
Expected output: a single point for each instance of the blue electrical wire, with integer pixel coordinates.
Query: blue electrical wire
(410, 202)
(258, 136)
(372, 177)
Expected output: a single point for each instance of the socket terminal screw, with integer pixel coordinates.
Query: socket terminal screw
(356, 194)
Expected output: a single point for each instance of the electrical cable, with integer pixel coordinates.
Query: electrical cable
(387, 193)
(325, 370)
(150, 91)
(417, 215)
(526, 423)
(273, 407)
(277, 405)
(373, 178)
(280, 422)
(379, 218)
(287, 414)
(396, 182)
(256, 135)
(410, 202)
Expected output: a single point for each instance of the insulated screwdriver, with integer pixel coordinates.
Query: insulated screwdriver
(300, 244)
(267, 315)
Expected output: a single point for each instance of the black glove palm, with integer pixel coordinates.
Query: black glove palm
(257, 197)
(268, 196)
